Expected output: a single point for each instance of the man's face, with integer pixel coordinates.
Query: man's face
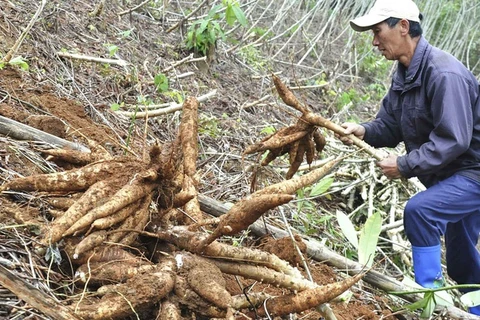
(388, 40)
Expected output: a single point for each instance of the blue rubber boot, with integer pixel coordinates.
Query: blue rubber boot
(474, 310)
(427, 266)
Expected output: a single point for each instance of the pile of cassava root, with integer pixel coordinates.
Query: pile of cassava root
(108, 202)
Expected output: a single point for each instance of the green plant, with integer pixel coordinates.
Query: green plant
(234, 13)
(208, 125)
(259, 32)
(268, 130)
(177, 96)
(112, 49)
(161, 82)
(310, 218)
(350, 97)
(439, 296)
(116, 106)
(17, 61)
(366, 243)
(125, 34)
(252, 57)
(203, 34)
(371, 64)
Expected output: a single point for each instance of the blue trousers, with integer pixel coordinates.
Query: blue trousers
(451, 208)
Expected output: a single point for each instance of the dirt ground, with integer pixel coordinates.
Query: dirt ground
(70, 100)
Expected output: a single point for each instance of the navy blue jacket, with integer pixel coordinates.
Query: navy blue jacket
(434, 108)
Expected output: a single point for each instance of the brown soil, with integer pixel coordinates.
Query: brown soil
(49, 102)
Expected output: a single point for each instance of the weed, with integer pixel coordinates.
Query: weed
(116, 106)
(175, 96)
(268, 130)
(371, 65)
(203, 34)
(112, 49)
(208, 125)
(125, 34)
(17, 61)
(350, 97)
(260, 32)
(161, 82)
(253, 58)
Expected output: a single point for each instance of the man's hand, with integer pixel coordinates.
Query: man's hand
(389, 167)
(351, 128)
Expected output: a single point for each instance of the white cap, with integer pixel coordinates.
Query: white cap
(384, 9)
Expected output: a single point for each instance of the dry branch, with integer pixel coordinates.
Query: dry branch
(172, 108)
(34, 297)
(19, 41)
(133, 8)
(187, 17)
(20, 131)
(75, 56)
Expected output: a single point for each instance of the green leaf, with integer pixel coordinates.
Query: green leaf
(112, 49)
(347, 228)
(19, 61)
(471, 299)
(420, 304)
(240, 15)
(442, 297)
(321, 187)
(268, 130)
(429, 306)
(203, 26)
(367, 243)
(230, 15)
(114, 107)
(161, 82)
(214, 10)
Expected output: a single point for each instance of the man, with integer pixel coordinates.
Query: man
(433, 106)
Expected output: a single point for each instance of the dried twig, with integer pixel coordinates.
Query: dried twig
(187, 17)
(119, 62)
(172, 108)
(19, 41)
(22, 131)
(188, 59)
(34, 297)
(134, 8)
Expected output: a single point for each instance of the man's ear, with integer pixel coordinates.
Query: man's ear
(404, 25)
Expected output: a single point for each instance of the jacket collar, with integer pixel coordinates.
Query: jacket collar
(407, 78)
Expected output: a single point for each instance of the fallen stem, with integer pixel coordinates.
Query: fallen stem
(119, 62)
(134, 8)
(172, 108)
(19, 41)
